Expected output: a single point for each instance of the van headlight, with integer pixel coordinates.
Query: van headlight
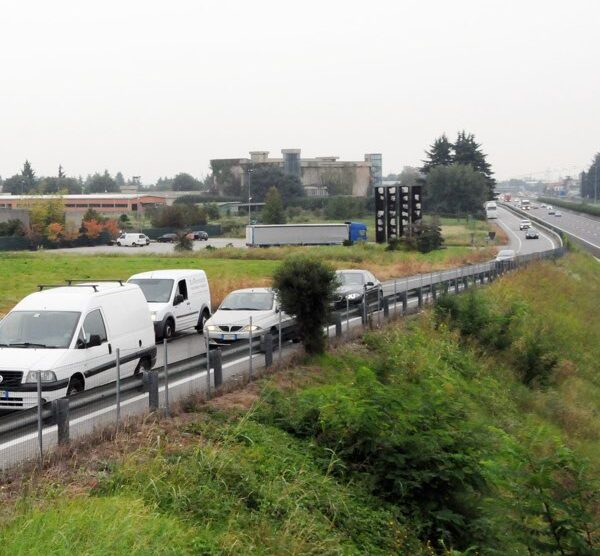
(212, 328)
(252, 328)
(47, 376)
(153, 315)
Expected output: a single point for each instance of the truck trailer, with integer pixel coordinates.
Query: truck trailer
(266, 235)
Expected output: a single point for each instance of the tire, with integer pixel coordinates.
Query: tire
(168, 329)
(118, 243)
(204, 316)
(75, 386)
(143, 366)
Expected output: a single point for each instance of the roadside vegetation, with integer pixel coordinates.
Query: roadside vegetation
(471, 429)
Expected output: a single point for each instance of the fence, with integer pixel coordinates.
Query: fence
(21, 243)
(45, 419)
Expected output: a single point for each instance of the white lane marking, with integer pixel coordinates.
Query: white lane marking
(507, 228)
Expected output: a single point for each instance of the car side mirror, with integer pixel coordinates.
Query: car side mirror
(277, 309)
(178, 299)
(370, 284)
(94, 341)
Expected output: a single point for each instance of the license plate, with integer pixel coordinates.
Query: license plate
(228, 336)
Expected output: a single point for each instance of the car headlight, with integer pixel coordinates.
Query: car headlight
(47, 376)
(153, 315)
(353, 296)
(252, 328)
(211, 328)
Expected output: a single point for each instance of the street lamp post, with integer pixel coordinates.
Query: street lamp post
(250, 170)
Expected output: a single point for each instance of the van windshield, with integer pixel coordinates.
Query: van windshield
(154, 289)
(38, 329)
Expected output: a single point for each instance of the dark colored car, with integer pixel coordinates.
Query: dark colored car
(201, 236)
(352, 287)
(167, 238)
(532, 233)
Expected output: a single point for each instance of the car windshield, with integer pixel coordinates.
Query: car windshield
(351, 278)
(155, 290)
(248, 301)
(38, 329)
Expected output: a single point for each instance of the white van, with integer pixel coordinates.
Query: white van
(177, 299)
(70, 334)
(133, 240)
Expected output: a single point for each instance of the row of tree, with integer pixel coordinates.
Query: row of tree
(27, 183)
(457, 176)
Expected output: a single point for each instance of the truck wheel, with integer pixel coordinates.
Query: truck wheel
(169, 329)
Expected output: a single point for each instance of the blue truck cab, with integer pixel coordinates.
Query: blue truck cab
(357, 231)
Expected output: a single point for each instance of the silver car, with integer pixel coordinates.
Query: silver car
(231, 321)
(505, 255)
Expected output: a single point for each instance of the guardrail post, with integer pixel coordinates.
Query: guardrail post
(347, 315)
(434, 292)
(268, 348)
(338, 325)
(386, 308)
(250, 351)
(456, 287)
(60, 416)
(404, 302)
(420, 296)
(153, 390)
(118, 393)
(166, 372)
(218, 367)
(365, 306)
(279, 338)
(40, 423)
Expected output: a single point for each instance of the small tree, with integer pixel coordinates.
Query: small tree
(54, 231)
(92, 228)
(273, 212)
(184, 243)
(306, 288)
(429, 237)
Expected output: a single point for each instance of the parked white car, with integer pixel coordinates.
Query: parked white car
(231, 322)
(505, 255)
(177, 299)
(70, 336)
(133, 240)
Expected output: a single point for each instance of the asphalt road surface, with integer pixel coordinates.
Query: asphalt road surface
(510, 223)
(582, 226)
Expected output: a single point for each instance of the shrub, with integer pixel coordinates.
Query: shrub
(183, 243)
(306, 287)
(535, 358)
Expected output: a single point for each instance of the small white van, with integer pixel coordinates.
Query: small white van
(133, 240)
(70, 334)
(177, 299)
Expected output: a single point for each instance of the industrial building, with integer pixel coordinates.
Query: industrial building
(321, 176)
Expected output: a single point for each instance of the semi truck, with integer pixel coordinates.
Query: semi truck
(266, 235)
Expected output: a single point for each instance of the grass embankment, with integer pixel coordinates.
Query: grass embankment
(473, 428)
(227, 269)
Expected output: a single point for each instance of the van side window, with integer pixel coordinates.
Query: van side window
(182, 289)
(94, 324)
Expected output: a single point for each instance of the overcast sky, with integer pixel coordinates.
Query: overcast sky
(155, 88)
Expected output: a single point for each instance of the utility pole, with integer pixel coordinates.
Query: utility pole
(250, 170)
(136, 181)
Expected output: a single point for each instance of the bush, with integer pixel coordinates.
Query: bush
(429, 237)
(184, 243)
(306, 287)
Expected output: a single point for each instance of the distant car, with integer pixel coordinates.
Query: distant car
(201, 236)
(505, 255)
(558, 213)
(550, 209)
(231, 321)
(133, 240)
(353, 284)
(525, 224)
(532, 233)
(167, 238)
(543, 205)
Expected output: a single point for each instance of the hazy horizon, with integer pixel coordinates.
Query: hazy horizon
(152, 89)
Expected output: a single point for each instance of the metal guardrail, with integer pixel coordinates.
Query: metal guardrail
(397, 294)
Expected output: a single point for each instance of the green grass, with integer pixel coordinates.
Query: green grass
(95, 527)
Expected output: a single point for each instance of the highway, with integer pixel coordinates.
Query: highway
(187, 356)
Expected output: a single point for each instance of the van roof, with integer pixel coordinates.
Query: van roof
(74, 298)
(174, 274)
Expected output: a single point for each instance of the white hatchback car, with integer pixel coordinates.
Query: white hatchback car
(231, 322)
